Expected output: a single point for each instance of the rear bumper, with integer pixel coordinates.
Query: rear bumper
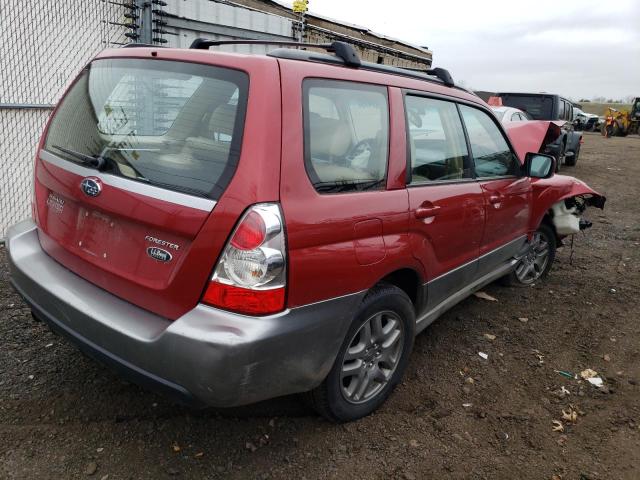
(206, 357)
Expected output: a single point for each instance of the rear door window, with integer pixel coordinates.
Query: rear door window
(438, 150)
(568, 111)
(491, 153)
(346, 140)
(171, 124)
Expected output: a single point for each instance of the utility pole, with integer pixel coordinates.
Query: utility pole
(143, 10)
(301, 7)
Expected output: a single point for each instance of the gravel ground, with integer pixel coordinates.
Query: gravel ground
(455, 416)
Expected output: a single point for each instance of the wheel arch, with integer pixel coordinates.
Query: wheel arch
(409, 281)
(573, 142)
(547, 219)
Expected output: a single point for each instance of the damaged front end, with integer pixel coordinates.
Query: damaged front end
(564, 200)
(566, 215)
(558, 198)
(534, 136)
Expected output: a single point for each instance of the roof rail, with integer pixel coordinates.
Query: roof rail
(437, 72)
(140, 45)
(343, 50)
(309, 56)
(345, 54)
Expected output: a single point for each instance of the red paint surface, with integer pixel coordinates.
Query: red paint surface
(337, 243)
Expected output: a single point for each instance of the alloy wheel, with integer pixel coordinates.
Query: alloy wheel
(372, 357)
(533, 263)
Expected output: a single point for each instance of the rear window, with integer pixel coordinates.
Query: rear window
(538, 107)
(172, 124)
(346, 135)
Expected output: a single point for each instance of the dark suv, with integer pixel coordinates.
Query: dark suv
(228, 228)
(544, 106)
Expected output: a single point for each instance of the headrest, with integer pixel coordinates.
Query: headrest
(329, 137)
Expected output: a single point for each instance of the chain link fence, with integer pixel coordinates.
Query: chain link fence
(43, 45)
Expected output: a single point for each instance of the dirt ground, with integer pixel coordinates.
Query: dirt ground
(64, 416)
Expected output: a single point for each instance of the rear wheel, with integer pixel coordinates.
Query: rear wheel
(372, 359)
(537, 260)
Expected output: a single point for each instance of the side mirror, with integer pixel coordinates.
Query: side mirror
(539, 165)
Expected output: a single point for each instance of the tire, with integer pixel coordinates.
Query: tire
(340, 397)
(560, 158)
(572, 160)
(615, 129)
(539, 269)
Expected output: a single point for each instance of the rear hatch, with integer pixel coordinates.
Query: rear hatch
(133, 163)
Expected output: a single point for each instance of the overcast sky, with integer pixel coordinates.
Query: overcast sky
(585, 48)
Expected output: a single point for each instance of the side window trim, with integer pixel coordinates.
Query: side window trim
(458, 102)
(307, 84)
(469, 165)
(504, 136)
(472, 166)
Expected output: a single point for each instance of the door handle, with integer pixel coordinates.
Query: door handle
(427, 211)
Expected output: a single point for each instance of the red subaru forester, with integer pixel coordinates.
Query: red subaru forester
(229, 228)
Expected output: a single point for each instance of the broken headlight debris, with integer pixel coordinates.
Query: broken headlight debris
(566, 214)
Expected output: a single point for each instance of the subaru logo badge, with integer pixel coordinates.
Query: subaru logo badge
(91, 186)
(159, 254)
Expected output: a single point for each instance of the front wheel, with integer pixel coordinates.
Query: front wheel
(372, 359)
(560, 158)
(537, 259)
(572, 160)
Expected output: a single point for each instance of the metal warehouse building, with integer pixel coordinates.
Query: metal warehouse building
(43, 45)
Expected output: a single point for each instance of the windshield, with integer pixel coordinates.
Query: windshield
(173, 124)
(539, 107)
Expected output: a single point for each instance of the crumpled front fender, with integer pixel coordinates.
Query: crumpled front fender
(549, 191)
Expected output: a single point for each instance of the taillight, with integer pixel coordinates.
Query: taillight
(250, 276)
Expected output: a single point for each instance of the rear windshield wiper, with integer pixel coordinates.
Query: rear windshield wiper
(95, 161)
(98, 162)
